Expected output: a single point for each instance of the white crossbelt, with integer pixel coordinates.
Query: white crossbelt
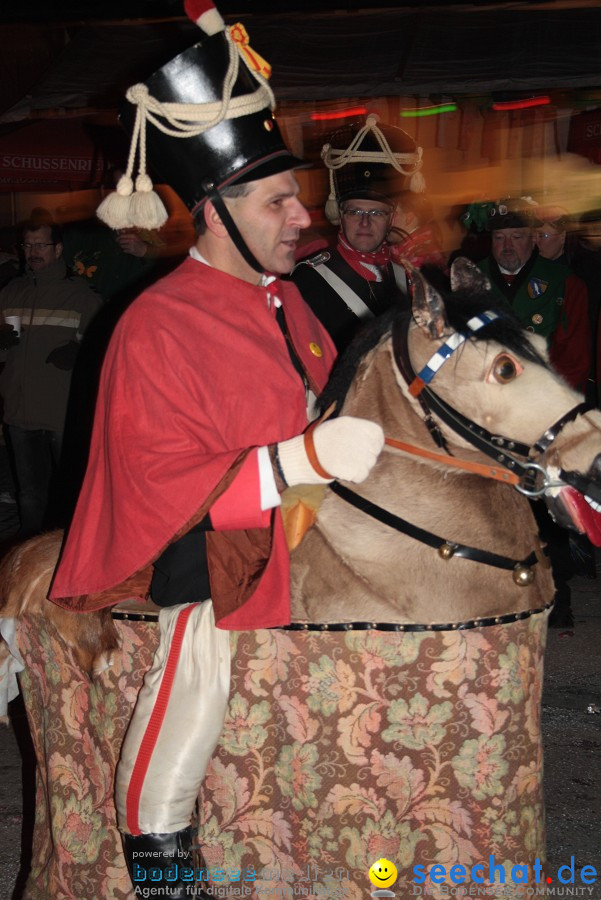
(352, 300)
(400, 276)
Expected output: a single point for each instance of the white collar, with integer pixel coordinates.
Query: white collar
(194, 253)
(266, 280)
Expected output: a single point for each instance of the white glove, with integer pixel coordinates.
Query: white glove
(346, 448)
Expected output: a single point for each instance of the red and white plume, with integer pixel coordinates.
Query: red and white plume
(205, 14)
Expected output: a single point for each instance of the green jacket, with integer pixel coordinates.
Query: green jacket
(551, 301)
(536, 294)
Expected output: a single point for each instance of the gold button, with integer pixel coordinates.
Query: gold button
(268, 124)
(446, 551)
(315, 349)
(537, 319)
(523, 575)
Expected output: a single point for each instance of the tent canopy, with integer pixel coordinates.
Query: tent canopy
(71, 74)
(367, 53)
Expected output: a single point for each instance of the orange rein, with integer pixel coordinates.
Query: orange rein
(495, 472)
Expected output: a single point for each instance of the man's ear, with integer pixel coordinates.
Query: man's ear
(213, 220)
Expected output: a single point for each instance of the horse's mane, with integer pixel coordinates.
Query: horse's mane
(460, 307)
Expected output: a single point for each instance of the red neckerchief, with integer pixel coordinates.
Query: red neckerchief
(364, 263)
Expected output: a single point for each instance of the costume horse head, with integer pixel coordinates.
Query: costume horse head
(476, 422)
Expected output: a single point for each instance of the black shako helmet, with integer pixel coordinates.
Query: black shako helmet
(511, 212)
(231, 152)
(369, 161)
(204, 121)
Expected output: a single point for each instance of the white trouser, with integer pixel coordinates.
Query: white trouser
(176, 723)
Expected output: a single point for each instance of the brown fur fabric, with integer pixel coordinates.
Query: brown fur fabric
(25, 575)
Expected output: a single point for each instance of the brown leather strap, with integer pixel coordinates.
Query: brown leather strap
(311, 453)
(498, 473)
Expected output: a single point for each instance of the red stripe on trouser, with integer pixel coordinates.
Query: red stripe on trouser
(151, 735)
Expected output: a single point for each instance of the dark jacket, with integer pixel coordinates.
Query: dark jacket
(327, 304)
(55, 309)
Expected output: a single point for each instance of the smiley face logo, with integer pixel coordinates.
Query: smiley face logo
(383, 873)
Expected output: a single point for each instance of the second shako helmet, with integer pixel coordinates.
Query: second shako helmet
(370, 161)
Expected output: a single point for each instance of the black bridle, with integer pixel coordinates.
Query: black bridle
(534, 479)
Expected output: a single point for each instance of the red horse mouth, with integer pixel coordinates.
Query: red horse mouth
(584, 513)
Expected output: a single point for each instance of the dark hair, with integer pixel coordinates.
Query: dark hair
(56, 235)
(231, 192)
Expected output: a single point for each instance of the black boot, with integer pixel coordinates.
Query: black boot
(164, 855)
(561, 615)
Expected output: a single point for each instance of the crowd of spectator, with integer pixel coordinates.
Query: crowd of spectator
(62, 291)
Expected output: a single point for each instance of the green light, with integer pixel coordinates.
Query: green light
(428, 111)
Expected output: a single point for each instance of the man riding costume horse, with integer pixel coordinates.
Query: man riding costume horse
(199, 425)
(399, 712)
(409, 724)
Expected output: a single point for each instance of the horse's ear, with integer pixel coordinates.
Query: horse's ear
(466, 276)
(428, 305)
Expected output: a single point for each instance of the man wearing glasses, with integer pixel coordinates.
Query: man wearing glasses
(44, 315)
(369, 165)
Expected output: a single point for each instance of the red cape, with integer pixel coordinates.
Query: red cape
(196, 373)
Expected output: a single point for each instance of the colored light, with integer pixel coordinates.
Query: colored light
(428, 111)
(521, 104)
(341, 114)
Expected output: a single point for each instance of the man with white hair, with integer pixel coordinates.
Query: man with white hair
(550, 301)
(545, 295)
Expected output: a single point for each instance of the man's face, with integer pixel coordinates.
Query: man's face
(270, 219)
(365, 223)
(512, 247)
(40, 252)
(550, 241)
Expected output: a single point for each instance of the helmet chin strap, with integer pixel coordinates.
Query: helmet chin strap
(232, 229)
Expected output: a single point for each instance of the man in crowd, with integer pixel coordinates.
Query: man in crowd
(369, 165)
(557, 239)
(205, 395)
(545, 295)
(550, 232)
(550, 301)
(51, 310)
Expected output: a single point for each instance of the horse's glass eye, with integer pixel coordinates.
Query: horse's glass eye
(504, 369)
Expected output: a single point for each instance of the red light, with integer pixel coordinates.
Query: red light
(521, 104)
(341, 114)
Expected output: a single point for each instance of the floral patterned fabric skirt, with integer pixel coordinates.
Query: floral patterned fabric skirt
(339, 748)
